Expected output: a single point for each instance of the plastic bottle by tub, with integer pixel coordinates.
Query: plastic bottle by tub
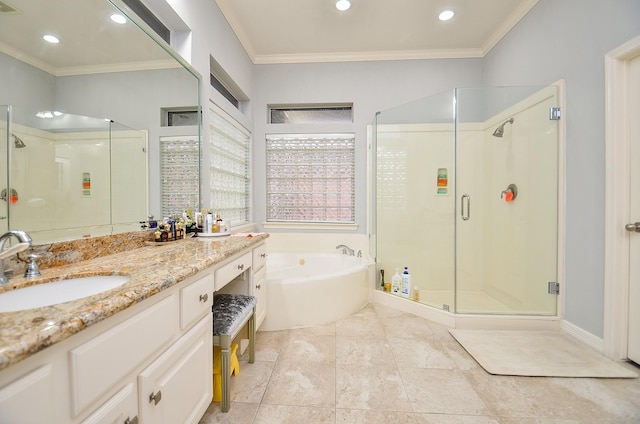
(406, 283)
(396, 282)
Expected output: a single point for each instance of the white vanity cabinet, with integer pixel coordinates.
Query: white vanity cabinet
(259, 281)
(148, 364)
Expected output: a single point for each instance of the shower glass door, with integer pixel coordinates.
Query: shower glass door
(465, 194)
(506, 200)
(414, 196)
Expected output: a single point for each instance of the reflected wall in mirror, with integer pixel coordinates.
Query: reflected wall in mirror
(122, 77)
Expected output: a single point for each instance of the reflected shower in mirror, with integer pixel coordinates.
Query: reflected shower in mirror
(123, 77)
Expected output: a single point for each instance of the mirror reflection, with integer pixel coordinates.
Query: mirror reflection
(82, 119)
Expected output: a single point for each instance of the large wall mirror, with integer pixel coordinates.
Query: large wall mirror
(81, 120)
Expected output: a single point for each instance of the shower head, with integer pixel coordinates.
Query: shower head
(17, 142)
(499, 132)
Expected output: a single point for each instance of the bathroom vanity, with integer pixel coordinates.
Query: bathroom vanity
(139, 353)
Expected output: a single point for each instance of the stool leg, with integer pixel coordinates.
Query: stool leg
(252, 337)
(226, 378)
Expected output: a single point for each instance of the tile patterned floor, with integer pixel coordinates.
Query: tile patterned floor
(383, 366)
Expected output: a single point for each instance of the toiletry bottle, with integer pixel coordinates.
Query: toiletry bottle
(396, 282)
(219, 223)
(416, 294)
(406, 283)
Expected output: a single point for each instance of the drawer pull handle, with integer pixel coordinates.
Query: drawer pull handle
(204, 297)
(241, 267)
(133, 420)
(258, 286)
(155, 397)
(263, 255)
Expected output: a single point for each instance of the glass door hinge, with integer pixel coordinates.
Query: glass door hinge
(554, 288)
(554, 114)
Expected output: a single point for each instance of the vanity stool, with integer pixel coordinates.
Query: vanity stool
(230, 313)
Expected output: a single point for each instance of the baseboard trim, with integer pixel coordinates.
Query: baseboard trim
(582, 335)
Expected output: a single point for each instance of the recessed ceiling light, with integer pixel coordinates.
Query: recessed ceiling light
(51, 39)
(117, 18)
(343, 5)
(446, 15)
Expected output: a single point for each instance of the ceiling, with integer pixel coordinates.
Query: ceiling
(89, 41)
(290, 31)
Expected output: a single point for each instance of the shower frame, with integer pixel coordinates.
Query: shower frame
(451, 115)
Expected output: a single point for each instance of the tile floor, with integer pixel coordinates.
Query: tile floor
(384, 366)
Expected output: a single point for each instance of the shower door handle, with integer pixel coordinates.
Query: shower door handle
(465, 212)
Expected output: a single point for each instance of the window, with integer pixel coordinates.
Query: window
(215, 83)
(229, 172)
(180, 169)
(310, 114)
(150, 19)
(310, 178)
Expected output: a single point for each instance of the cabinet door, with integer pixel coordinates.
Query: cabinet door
(177, 387)
(28, 400)
(120, 409)
(260, 291)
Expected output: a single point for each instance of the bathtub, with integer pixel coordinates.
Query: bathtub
(305, 289)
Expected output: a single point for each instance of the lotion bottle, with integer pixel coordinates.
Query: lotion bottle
(396, 282)
(406, 283)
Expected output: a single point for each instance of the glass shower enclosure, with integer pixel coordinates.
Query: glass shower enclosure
(465, 194)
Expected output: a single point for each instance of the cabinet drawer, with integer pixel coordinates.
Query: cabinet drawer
(196, 300)
(228, 272)
(99, 364)
(259, 257)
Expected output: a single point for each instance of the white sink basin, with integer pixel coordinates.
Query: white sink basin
(55, 292)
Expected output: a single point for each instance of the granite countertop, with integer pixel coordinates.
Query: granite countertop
(151, 269)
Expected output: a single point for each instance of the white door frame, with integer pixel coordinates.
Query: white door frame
(616, 269)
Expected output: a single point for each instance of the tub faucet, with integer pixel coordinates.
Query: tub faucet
(346, 249)
(24, 243)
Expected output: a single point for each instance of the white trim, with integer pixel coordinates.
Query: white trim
(616, 272)
(582, 335)
(308, 226)
(507, 25)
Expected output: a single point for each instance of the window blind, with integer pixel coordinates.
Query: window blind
(311, 178)
(229, 172)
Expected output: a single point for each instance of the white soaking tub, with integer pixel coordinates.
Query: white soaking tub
(305, 289)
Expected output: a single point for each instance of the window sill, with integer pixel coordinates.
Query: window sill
(309, 226)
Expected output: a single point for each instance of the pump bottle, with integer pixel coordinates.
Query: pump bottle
(396, 282)
(405, 291)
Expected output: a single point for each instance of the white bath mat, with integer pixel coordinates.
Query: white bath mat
(537, 353)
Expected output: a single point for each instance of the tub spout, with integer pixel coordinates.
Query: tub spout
(346, 250)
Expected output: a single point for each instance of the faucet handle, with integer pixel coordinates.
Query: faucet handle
(32, 266)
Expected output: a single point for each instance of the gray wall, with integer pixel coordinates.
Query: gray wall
(567, 39)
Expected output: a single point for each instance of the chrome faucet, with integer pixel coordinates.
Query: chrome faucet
(24, 243)
(346, 249)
